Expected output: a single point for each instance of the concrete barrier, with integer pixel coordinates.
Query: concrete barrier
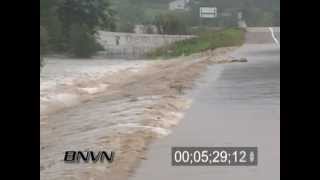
(130, 45)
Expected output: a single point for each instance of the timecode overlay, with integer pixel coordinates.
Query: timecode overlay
(214, 156)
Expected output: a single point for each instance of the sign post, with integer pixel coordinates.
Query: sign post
(208, 12)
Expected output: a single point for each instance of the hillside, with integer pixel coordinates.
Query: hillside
(256, 12)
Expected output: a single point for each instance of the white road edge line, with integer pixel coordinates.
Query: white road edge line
(273, 36)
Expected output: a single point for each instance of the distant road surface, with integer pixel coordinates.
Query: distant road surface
(234, 105)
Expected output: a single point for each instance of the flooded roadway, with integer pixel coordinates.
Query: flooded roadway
(234, 105)
(64, 82)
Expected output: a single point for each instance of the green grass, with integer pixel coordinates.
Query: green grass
(205, 41)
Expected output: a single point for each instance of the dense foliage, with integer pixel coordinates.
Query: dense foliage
(70, 26)
(255, 12)
(169, 24)
(205, 40)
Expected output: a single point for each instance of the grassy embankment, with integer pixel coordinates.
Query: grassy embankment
(204, 41)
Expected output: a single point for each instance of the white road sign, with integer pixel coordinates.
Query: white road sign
(208, 12)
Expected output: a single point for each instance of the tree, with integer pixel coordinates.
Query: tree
(82, 43)
(88, 16)
(126, 27)
(276, 18)
(43, 44)
(60, 17)
(91, 13)
(43, 40)
(169, 24)
(130, 13)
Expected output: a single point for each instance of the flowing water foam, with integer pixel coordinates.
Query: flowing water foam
(64, 81)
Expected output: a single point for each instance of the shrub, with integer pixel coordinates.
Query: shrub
(41, 62)
(126, 27)
(43, 44)
(204, 41)
(43, 40)
(169, 24)
(82, 44)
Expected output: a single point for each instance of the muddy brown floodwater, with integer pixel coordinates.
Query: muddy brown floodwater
(131, 110)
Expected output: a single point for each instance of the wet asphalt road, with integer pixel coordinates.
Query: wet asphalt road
(234, 105)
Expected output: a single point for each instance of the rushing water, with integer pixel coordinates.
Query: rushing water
(63, 80)
(62, 70)
(234, 105)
